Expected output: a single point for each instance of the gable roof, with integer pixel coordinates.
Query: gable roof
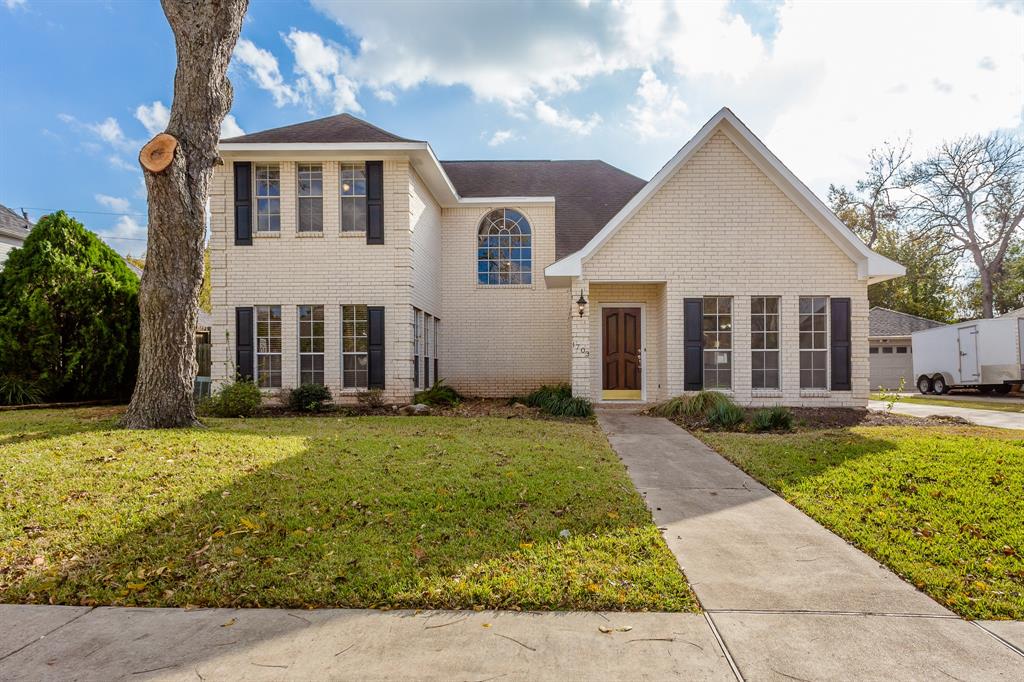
(332, 129)
(885, 322)
(587, 193)
(14, 224)
(870, 265)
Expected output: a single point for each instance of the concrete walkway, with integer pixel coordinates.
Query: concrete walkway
(1002, 420)
(788, 598)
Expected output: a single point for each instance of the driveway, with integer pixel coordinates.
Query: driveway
(1002, 420)
(790, 599)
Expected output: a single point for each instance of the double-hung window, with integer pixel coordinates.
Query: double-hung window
(764, 342)
(268, 198)
(417, 347)
(311, 198)
(428, 350)
(311, 344)
(814, 342)
(353, 197)
(718, 342)
(354, 346)
(268, 346)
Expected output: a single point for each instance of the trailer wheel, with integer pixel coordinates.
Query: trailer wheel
(924, 384)
(939, 385)
(1002, 389)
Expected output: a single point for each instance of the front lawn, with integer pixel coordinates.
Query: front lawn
(941, 506)
(429, 512)
(1000, 405)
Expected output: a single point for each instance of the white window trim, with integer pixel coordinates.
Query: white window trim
(257, 354)
(766, 392)
(730, 350)
(256, 200)
(816, 392)
(341, 347)
(299, 197)
(298, 341)
(476, 265)
(358, 230)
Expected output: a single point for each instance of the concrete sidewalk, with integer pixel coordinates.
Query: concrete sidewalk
(789, 598)
(1002, 420)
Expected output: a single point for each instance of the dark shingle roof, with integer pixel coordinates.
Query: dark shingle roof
(340, 128)
(587, 193)
(885, 322)
(13, 224)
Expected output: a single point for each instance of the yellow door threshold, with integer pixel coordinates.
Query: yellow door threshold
(621, 395)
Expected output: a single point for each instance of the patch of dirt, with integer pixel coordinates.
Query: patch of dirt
(469, 407)
(818, 418)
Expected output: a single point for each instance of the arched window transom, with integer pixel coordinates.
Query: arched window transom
(504, 253)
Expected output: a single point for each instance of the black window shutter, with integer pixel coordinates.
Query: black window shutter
(840, 343)
(693, 344)
(375, 347)
(374, 202)
(436, 365)
(243, 203)
(244, 351)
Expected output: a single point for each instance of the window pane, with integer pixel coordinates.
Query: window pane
(504, 249)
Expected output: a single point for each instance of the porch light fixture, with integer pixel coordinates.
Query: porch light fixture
(581, 304)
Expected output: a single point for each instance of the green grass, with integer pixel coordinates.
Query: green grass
(1000, 405)
(428, 512)
(943, 507)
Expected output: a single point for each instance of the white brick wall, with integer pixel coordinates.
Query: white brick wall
(720, 227)
(329, 269)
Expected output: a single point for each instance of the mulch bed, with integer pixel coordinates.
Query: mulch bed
(818, 418)
(470, 407)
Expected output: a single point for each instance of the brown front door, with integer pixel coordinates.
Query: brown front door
(621, 378)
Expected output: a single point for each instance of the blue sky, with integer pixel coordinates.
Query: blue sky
(85, 84)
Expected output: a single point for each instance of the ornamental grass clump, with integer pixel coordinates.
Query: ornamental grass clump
(776, 418)
(695, 406)
(559, 401)
(726, 415)
(438, 394)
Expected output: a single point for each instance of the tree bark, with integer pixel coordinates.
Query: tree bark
(205, 33)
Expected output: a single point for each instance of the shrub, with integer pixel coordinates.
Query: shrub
(776, 418)
(438, 394)
(373, 398)
(309, 398)
(725, 415)
(559, 401)
(17, 390)
(694, 406)
(238, 399)
(69, 314)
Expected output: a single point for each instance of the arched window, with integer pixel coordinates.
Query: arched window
(504, 254)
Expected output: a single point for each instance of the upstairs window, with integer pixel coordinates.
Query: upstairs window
(504, 254)
(353, 197)
(311, 198)
(268, 198)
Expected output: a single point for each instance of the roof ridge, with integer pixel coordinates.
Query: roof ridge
(900, 312)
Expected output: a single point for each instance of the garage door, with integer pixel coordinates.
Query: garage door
(888, 365)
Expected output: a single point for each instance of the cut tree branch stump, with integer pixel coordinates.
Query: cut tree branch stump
(158, 153)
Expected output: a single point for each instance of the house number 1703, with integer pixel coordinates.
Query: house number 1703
(580, 349)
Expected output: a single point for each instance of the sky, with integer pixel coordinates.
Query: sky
(83, 85)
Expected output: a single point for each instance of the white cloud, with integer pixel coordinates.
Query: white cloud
(500, 137)
(318, 65)
(153, 117)
(661, 112)
(127, 226)
(562, 119)
(109, 130)
(117, 204)
(121, 164)
(229, 127)
(15, 4)
(262, 67)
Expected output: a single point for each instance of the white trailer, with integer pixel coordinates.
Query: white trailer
(983, 354)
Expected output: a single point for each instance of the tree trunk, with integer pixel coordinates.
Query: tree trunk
(987, 296)
(205, 33)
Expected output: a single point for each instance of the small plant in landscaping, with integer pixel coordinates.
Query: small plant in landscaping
(694, 406)
(238, 399)
(725, 415)
(17, 390)
(776, 418)
(373, 398)
(891, 398)
(559, 401)
(438, 394)
(309, 398)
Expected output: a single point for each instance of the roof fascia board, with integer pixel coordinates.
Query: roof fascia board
(476, 201)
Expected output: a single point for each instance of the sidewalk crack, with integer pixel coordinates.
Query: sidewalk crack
(46, 634)
(725, 650)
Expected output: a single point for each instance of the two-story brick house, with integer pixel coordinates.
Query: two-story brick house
(346, 255)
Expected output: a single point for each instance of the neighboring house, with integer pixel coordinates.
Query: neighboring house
(891, 354)
(347, 255)
(14, 229)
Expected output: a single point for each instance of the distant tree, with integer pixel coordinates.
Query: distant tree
(1007, 289)
(969, 194)
(928, 289)
(69, 314)
(874, 204)
(204, 291)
